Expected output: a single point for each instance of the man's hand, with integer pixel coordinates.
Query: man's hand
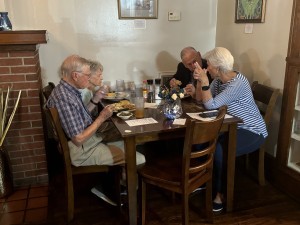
(190, 89)
(106, 112)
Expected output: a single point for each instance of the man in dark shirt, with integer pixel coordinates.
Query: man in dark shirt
(185, 69)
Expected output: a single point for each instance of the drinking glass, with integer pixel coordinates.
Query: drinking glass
(120, 85)
(139, 107)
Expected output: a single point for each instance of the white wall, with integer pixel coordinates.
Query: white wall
(261, 55)
(91, 28)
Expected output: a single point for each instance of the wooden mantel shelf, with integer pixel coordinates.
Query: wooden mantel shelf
(23, 37)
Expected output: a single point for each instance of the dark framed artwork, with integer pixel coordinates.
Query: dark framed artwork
(250, 11)
(137, 9)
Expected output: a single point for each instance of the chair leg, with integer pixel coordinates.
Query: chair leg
(185, 209)
(261, 166)
(142, 197)
(208, 201)
(70, 199)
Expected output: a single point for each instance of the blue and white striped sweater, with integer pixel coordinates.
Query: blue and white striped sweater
(238, 97)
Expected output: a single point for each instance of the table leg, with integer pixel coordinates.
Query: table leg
(130, 154)
(231, 165)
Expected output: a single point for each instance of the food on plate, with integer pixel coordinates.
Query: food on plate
(123, 105)
(111, 95)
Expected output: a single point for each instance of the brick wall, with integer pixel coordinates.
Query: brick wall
(20, 69)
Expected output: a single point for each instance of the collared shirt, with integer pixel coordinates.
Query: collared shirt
(74, 116)
(238, 97)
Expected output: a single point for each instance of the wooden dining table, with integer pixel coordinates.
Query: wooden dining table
(164, 129)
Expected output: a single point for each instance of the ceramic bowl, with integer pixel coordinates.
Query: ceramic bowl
(125, 115)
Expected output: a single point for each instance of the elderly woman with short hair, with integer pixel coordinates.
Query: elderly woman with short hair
(230, 88)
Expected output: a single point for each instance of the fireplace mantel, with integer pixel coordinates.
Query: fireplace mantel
(22, 37)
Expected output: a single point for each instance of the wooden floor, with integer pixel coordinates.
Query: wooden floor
(253, 205)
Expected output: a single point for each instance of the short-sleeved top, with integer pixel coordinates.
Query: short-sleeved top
(74, 116)
(237, 95)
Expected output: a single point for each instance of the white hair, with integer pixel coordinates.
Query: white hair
(220, 58)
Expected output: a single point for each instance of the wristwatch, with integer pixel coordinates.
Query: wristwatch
(91, 101)
(205, 88)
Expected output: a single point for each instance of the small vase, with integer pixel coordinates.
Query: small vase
(6, 180)
(172, 109)
(5, 23)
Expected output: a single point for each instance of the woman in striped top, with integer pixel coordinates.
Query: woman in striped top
(230, 88)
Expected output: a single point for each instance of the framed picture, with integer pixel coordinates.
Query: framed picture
(137, 9)
(250, 11)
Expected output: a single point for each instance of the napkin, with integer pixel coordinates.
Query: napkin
(150, 105)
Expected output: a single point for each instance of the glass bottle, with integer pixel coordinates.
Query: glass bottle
(145, 90)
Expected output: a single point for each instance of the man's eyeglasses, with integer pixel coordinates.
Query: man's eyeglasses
(85, 74)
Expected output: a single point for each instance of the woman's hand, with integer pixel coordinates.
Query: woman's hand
(200, 74)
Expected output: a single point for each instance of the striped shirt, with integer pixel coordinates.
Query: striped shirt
(74, 116)
(237, 95)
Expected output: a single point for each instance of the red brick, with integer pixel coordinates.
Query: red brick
(20, 125)
(31, 77)
(12, 78)
(23, 54)
(33, 93)
(35, 172)
(21, 154)
(3, 54)
(24, 167)
(23, 109)
(31, 61)
(31, 117)
(38, 138)
(35, 108)
(40, 151)
(29, 101)
(12, 148)
(18, 175)
(35, 145)
(24, 69)
(31, 131)
(11, 62)
(20, 139)
(16, 161)
(37, 123)
(34, 159)
(41, 165)
(4, 70)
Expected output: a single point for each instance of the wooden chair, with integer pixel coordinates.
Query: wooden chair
(265, 98)
(71, 170)
(47, 90)
(183, 173)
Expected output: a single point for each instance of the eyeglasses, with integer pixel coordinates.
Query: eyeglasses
(85, 74)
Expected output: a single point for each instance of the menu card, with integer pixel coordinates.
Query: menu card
(138, 122)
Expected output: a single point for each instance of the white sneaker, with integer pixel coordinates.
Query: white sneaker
(199, 189)
(99, 193)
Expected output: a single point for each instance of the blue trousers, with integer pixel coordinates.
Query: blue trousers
(247, 142)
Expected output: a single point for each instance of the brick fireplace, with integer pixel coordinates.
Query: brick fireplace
(20, 69)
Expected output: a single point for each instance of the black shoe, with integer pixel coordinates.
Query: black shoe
(203, 187)
(99, 192)
(217, 207)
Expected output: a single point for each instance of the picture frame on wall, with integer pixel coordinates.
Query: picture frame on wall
(138, 9)
(250, 11)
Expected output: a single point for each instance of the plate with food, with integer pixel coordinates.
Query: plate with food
(123, 105)
(125, 115)
(116, 96)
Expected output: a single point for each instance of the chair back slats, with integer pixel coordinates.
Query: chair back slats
(265, 98)
(62, 139)
(204, 133)
(47, 90)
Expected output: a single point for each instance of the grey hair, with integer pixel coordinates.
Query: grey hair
(186, 50)
(94, 66)
(72, 63)
(220, 58)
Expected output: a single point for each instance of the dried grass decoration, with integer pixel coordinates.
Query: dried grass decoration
(4, 126)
